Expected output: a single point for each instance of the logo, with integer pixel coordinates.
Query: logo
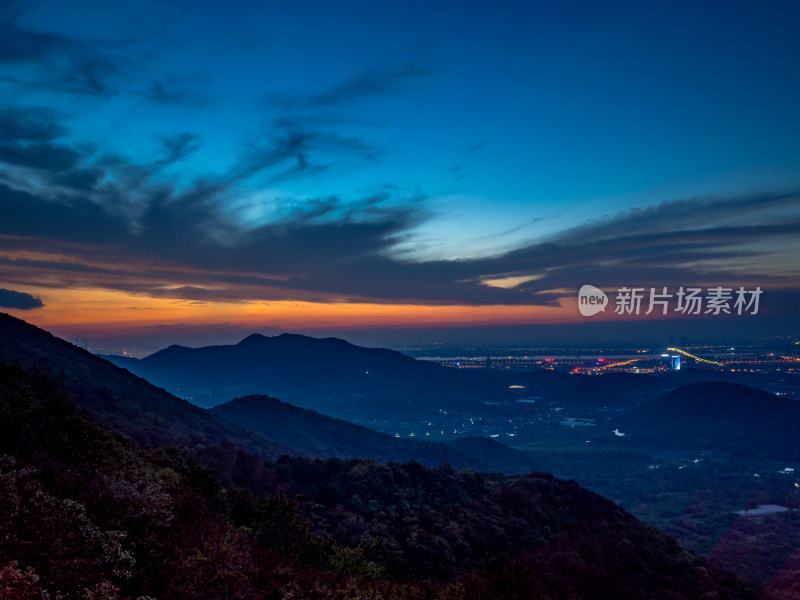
(686, 300)
(591, 300)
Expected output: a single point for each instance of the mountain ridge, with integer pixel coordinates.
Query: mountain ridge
(113, 395)
(329, 375)
(84, 513)
(152, 416)
(316, 434)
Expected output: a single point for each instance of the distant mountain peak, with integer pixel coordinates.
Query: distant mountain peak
(253, 337)
(174, 349)
(293, 340)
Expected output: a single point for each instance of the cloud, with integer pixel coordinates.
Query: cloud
(107, 200)
(178, 147)
(97, 67)
(158, 92)
(18, 44)
(308, 139)
(34, 124)
(88, 72)
(20, 300)
(28, 139)
(188, 245)
(313, 123)
(178, 92)
(291, 149)
(63, 63)
(689, 215)
(684, 242)
(459, 172)
(53, 157)
(370, 83)
(475, 146)
(74, 218)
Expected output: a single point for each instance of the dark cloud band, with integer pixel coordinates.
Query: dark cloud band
(19, 300)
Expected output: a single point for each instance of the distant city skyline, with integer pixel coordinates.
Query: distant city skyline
(389, 172)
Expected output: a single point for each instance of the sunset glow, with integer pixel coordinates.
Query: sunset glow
(283, 167)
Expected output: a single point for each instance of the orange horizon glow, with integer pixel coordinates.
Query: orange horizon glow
(105, 313)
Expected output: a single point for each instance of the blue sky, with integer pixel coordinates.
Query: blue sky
(414, 146)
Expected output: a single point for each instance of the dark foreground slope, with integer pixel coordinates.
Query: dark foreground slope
(84, 513)
(129, 404)
(314, 434)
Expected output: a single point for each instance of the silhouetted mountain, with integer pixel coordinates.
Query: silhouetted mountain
(718, 416)
(329, 375)
(314, 434)
(262, 425)
(129, 404)
(84, 513)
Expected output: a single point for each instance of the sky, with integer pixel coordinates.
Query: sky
(396, 171)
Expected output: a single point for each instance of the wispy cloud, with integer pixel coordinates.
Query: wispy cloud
(370, 83)
(180, 92)
(34, 124)
(74, 216)
(64, 63)
(475, 146)
(18, 43)
(38, 60)
(315, 130)
(292, 149)
(177, 147)
(28, 138)
(184, 246)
